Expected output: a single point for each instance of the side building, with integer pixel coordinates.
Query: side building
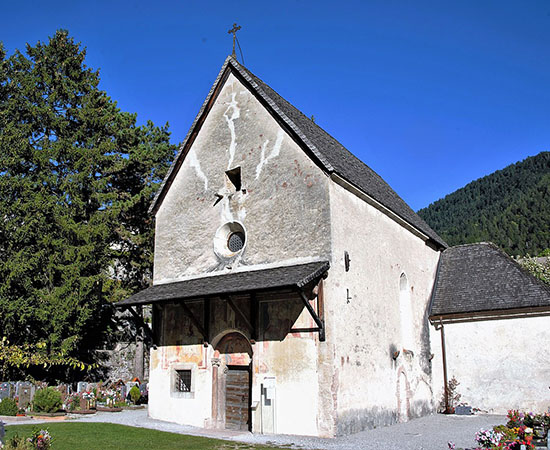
(491, 329)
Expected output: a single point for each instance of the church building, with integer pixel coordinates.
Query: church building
(293, 288)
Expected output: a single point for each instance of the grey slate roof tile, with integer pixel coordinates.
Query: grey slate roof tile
(330, 154)
(480, 277)
(296, 276)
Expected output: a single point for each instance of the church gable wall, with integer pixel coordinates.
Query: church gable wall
(381, 370)
(282, 203)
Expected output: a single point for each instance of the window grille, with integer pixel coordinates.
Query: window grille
(183, 380)
(236, 241)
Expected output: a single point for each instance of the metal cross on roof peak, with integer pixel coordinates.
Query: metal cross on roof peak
(234, 31)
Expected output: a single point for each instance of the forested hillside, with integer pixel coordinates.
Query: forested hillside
(510, 207)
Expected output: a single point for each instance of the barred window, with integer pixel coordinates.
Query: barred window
(183, 381)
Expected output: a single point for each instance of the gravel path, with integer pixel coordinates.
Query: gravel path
(427, 433)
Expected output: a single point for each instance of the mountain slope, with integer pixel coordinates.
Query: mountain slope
(510, 207)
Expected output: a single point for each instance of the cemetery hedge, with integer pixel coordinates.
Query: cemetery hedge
(106, 436)
(47, 400)
(8, 407)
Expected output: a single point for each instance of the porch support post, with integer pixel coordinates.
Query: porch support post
(320, 323)
(439, 326)
(206, 319)
(254, 316)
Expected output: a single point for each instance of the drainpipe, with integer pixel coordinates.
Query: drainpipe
(440, 327)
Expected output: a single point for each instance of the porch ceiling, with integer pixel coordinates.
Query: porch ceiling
(296, 276)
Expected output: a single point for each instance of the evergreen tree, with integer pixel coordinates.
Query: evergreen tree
(76, 177)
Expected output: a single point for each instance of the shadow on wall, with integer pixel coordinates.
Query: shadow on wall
(425, 346)
(277, 314)
(356, 420)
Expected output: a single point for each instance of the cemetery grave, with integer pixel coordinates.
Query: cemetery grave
(80, 398)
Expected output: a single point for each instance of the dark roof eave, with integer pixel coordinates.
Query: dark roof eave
(263, 280)
(480, 279)
(290, 287)
(496, 314)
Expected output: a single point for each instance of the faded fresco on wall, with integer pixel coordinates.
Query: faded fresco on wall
(234, 349)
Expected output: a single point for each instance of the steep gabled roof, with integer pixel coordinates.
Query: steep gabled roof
(327, 152)
(481, 278)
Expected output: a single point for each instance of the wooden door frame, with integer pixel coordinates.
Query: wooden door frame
(249, 406)
(219, 375)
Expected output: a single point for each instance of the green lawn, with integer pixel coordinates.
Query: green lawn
(106, 436)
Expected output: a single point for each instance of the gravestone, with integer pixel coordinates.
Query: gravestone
(7, 390)
(144, 388)
(2, 432)
(25, 393)
(123, 392)
(83, 403)
(64, 389)
(81, 386)
(463, 410)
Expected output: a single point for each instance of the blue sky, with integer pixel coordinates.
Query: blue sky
(430, 94)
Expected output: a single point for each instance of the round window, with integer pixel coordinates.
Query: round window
(230, 240)
(235, 241)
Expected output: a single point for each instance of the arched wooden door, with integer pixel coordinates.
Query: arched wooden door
(234, 356)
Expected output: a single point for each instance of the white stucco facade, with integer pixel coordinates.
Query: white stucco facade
(283, 193)
(363, 316)
(500, 364)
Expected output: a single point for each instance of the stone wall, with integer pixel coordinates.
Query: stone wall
(120, 362)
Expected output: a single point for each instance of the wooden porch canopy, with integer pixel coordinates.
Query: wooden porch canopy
(294, 277)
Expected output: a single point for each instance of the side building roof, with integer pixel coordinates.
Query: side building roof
(329, 154)
(480, 279)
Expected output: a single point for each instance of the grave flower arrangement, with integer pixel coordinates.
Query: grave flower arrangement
(72, 402)
(40, 440)
(90, 399)
(522, 431)
(110, 397)
(539, 422)
(488, 438)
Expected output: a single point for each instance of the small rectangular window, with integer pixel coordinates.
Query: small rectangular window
(183, 381)
(234, 176)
